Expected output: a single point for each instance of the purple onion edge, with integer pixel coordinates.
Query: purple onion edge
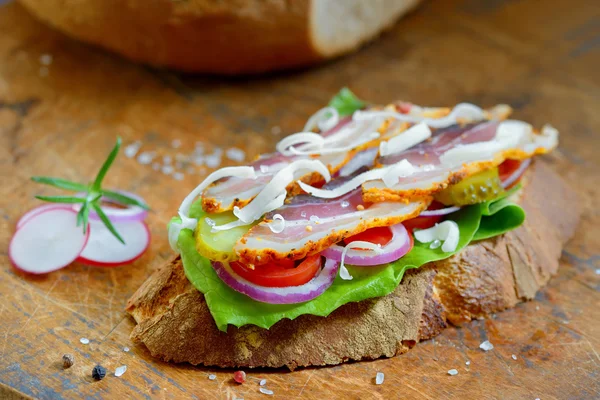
(253, 291)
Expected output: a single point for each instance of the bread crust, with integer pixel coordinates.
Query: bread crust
(174, 323)
(222, 37)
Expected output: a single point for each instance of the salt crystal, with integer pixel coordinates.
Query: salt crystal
(452, 372)
(303, 214)
(46, 59)
(235, 154)
(84, 340)
(379, 378)
(597, 271)
(213, 160)
(275, 130)
(176, 143)
(537, 308)
(167, 169)
(156, 166)
(120, 370)
(44, 71)
(146, 157)
(212, 377)
(468, 363)
(132, 149)
(537, 398)
(345, 204)
(125, 349)
(263, 382)
(313, 218)
(178, 176)
(514, 357)
(198, 160)
(167, 159)
(486, 346)
(265, 391)
(435, 244)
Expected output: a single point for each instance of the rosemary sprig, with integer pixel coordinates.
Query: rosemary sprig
(93, 194)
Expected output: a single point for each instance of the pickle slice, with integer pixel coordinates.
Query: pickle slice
(218, 246)
(478, 188)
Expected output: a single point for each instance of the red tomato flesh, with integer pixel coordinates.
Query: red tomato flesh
(381, 235)
(507, 168)
(281, 274)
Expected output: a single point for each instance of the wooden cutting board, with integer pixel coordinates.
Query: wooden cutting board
(62, 104)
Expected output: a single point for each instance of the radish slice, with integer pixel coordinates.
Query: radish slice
(104, 250)
(47, 241)
(36, 211)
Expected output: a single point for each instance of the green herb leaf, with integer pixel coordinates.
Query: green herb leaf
(62, 199)
(60, 183)
(111, 157)
(107, 222)
(121, 198)
(345, 102)
(82, 216)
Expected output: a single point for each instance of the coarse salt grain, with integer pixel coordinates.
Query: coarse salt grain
(176, 143)
(597, 271)
(468, 363)
(235, 154)
(537, 308)
(167, 169)
(198, 160)
(265, 391)
(46, 59)
(120, 370)
(84, 340)
(452, 372)
(212, 377)
(262, 382)
(132, 149)
(178, 176)
(486, 346)
(345, 204)
(514, 357)
(146, 157)
(126, 349)
(167, 159)
(212, 160)
(379, 378)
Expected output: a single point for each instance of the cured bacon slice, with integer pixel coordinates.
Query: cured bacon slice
(313, 224)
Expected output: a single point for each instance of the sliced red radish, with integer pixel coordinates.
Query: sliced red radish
(104, 250)
(36, 211)
(47, 240)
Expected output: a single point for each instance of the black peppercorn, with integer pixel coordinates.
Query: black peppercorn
(99, 372)
(68, 360)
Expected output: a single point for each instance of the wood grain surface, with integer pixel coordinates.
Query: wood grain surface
(62, 119)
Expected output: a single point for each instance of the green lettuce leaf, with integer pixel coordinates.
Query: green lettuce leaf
(345, 102)
(230, 307)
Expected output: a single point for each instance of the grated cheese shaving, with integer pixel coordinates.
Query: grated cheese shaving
(405, 140)
(357, 244)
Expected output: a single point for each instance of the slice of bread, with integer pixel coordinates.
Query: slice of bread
(486, 277)
(223, 37)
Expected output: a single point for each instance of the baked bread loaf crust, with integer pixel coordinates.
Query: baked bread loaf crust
(223, 37)
(175, 324)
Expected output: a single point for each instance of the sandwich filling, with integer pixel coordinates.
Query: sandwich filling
(346, 206)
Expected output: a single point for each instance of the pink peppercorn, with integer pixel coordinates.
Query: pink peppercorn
(239, 376)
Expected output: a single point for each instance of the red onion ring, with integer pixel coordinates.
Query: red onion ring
(440, 212)
(396, 248)
(129, 214)
(281, 295)
(517, 174)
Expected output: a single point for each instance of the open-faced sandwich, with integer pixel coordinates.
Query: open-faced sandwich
(363, 234)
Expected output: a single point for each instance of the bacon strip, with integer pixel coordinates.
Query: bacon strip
(313, 224)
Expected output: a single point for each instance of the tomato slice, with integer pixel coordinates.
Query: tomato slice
(507, 168)
(281, 274)
(424, 222)
(381, 235)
